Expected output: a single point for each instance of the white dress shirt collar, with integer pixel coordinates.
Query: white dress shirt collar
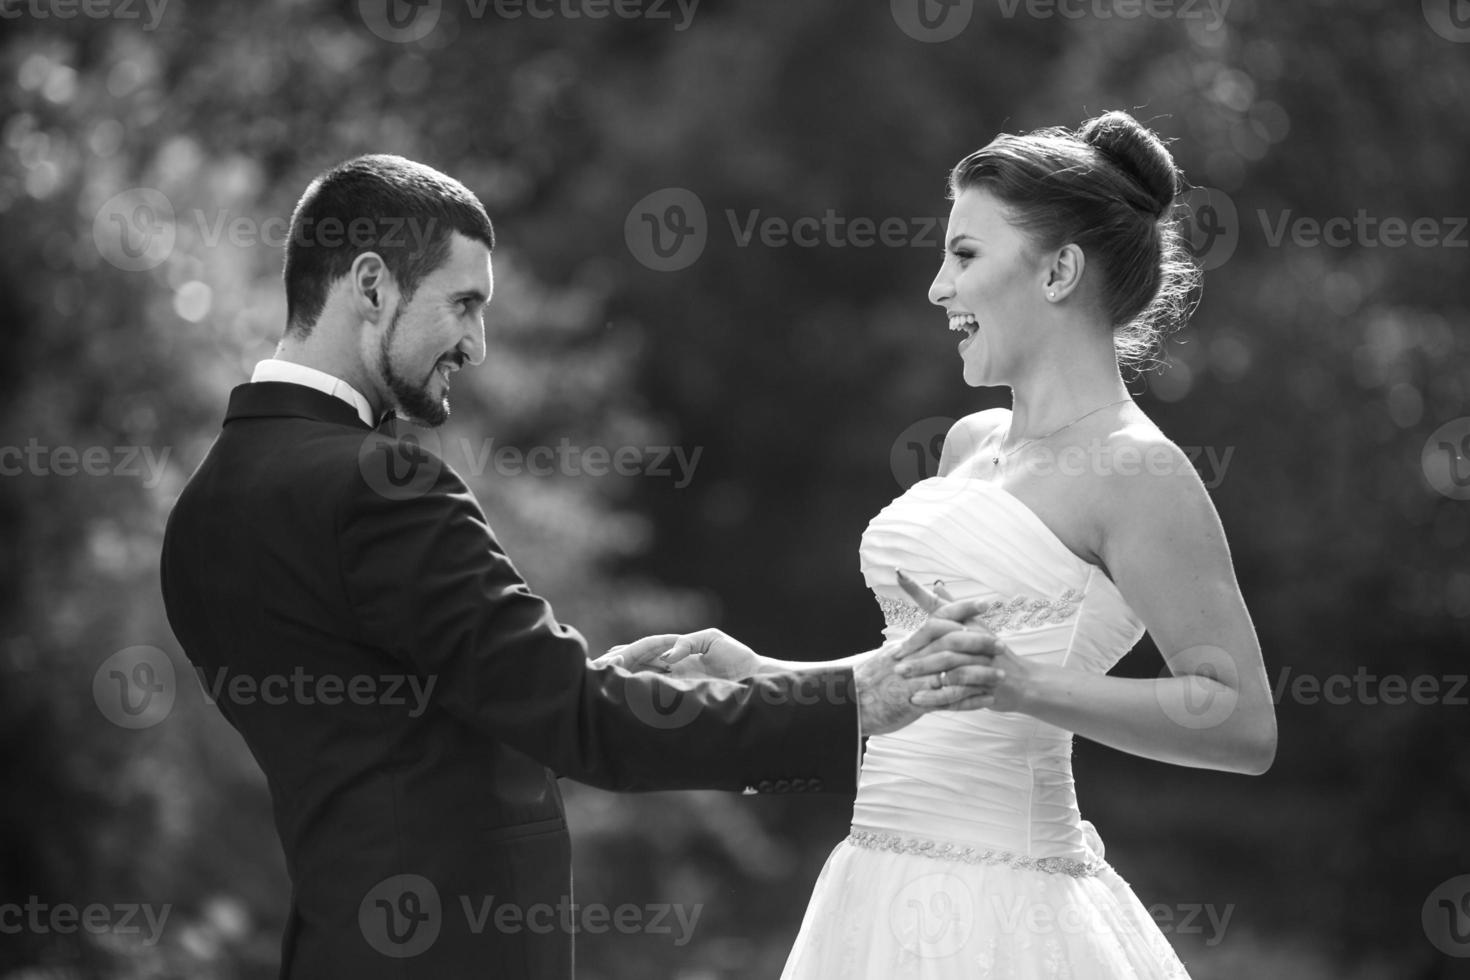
(274, 369)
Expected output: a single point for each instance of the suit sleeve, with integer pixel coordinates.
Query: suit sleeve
(429, 583)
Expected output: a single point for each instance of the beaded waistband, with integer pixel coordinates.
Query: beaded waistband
(943, 851)
(998, 615)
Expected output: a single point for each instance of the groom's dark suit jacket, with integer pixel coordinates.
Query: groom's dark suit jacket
(309, 584)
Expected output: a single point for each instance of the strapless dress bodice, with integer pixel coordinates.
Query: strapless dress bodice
(985, 782)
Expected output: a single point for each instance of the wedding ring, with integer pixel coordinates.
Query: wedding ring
(938, 681)
(943, 681)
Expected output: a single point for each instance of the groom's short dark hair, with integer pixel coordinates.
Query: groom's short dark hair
(402, 210)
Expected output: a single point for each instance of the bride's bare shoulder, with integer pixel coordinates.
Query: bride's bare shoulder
(967, 435)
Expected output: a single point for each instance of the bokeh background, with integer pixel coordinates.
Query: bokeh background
(150, 155)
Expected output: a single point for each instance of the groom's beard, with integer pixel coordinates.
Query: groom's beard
(413, 400)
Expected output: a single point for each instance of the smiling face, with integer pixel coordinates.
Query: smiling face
(436, 332)
(991, 285)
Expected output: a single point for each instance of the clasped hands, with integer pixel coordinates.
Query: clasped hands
(951, 663)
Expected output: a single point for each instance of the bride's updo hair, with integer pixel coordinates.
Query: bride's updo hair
(1109, 187)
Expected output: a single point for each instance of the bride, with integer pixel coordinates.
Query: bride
(1064, 527)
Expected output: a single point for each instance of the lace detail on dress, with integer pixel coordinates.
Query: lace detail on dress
(943, 851)
(999, 616)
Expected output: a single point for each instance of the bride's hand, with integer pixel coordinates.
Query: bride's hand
(711, 653)
(708, 653)
(1003, 690)
(640, 654)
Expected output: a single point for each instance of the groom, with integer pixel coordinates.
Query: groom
(410, 700)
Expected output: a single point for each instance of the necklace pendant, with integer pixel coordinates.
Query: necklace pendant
(995, 460)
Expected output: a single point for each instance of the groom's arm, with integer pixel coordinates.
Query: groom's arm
(429, 584)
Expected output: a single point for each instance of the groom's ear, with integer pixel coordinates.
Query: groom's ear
(371, 287)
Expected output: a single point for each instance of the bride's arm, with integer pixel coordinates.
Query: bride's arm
(1165, 549)
(770, 665)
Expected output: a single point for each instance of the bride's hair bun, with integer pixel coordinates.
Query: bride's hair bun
(1137, 152)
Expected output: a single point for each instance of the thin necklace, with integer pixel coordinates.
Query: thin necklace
(995, 460)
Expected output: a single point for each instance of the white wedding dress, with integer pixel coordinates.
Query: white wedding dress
(968, 857)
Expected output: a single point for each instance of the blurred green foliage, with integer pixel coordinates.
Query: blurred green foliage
(1322, 370)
